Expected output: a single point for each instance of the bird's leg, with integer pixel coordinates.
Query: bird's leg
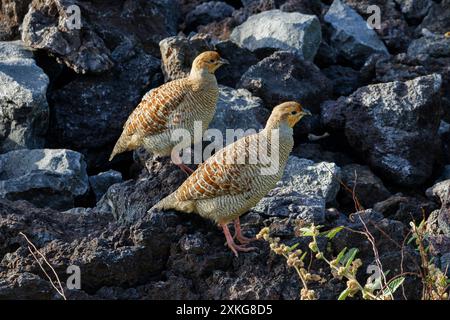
(230, 242)
(176, 159)
(238, 233)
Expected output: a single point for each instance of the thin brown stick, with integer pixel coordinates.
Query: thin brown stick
(31, 245)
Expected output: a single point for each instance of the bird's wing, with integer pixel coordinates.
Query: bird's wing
(219, 176)
(153, 114)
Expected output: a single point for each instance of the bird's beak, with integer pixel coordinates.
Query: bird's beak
(223, 61)
(306, 112)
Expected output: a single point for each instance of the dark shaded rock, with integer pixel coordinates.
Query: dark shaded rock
(436, 46)
(317, 153)
(393, 126)
(11, 15)
(350, 36)
(221, 30)
(89, 112)
(414, 10)
(240, 60)
(23, 103)
(102, 181)
(404, 208)
(207, 12)
(368, 188)
(129, 201)
(345, 80)
(282, 77)
(89, 46)
(303, 6)
(276, 30)
(45, 177)
(438, 18)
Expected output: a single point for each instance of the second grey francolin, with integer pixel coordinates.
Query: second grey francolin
(176, 104)
(224, 186)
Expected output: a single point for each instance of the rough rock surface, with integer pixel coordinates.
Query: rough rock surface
(45, 177)
(277, 30)
(102, 181)
(393, 30)
(207, 12)
(88, 47)
(354, 41)
(238, 109)
(438, 17)
(179, 52)
(368, 188)
(414, 9)
(282, 77)
(393, 126)
(23, 104)
(89, 112)
(303, 192)
(11, 15)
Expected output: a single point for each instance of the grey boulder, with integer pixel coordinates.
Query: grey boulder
(303, 192)
(351, 36)
(282, 77)
(45, 177)
(24, 110)
(394, 126)
(277, 30)
(238, 109)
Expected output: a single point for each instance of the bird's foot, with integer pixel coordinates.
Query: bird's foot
(232, 245)
(240, 248)
(238, 233)
(243, 239)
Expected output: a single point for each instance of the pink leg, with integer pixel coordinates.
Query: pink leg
(238, 233)
(230, 242)
(176, 159)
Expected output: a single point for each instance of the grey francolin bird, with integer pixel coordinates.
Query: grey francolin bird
(231, 182)
(176, 104)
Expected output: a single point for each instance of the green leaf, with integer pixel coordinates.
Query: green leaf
(341, 254)
(411, 239)
(393, 285)
(344, 294)
(306, 232)
(351, 254)
(303, 256)
(333, 232)
(293, 247)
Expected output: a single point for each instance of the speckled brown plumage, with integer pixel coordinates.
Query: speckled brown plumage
(176, 104)
(222, 189)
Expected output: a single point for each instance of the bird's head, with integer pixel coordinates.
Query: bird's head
(287, 113)
(208, 61)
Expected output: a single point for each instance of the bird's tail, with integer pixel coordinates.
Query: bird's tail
(123, 144)
(166, 203)
(171, 202)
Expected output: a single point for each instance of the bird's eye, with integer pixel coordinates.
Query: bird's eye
(212, 60)
(294, 112)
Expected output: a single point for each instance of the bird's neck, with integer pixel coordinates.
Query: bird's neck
(203, 78)
(281, 135)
